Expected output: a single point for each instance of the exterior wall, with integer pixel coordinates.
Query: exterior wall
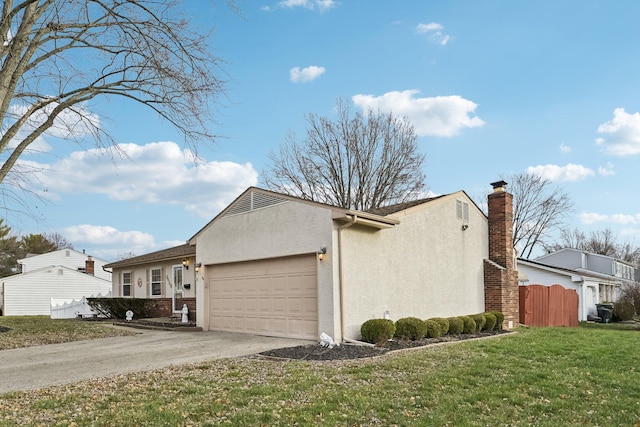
(566, 258)
(284, 229)
(31, 293)
(66, 257)
(426, 266)
(140, 274)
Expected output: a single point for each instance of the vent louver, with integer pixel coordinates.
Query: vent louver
(253, 201)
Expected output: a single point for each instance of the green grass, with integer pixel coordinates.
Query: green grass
(27, 331)
(537, 377)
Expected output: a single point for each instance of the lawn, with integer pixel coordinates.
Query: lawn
(27, 331)
(536, 377)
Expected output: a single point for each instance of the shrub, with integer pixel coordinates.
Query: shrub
(456, 325)
(410, 328)
(444, 324)
(469, 325)
(499, 319)
(433, 329)
(377, 331)
(480, 321)
(491, 320)
(116, 308)
(623, 311)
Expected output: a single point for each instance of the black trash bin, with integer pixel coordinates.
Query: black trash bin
(605, 312)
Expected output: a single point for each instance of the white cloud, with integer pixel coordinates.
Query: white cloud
(74, 122)
(106, 235)
(434, 31)
(307, 74)
(606, 170)
(320, 5)
(565, 149)
(569, 172)
(621, 134)
(592, 217)
(443, 116)
(157, 173)
(618, 219)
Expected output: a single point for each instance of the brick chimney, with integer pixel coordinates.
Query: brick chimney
(500, 271)
(88, 266)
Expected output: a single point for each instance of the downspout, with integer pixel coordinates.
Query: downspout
(354, 218)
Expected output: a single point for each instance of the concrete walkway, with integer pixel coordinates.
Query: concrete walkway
(47, 365)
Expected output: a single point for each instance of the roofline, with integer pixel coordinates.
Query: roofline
(49, 267)
(136, 259)
(570, 272)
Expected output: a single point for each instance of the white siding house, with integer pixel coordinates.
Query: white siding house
(30, 293)
(592, 288)
(65, 257)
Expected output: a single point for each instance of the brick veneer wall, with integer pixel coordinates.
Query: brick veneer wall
(500, 273)
(165, 310)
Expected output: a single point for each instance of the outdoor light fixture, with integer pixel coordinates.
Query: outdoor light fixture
(465, 226)
(322, 252)
(185, 263)
(198, 265)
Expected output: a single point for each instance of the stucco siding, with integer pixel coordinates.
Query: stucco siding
(31, 293)
(426, 266)
(285, 229)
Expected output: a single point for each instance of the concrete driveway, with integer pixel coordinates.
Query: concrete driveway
(47, 365)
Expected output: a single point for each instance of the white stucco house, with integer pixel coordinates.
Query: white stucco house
(596, 278)
(62, 274)
(277, 265)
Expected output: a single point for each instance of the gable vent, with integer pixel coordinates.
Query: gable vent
(253, 201)
(462, 210)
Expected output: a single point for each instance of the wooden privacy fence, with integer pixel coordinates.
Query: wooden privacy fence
(548, 306)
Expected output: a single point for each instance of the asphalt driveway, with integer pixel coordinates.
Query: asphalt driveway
(47, 365)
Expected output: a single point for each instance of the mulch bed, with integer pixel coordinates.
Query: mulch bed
(353, 351)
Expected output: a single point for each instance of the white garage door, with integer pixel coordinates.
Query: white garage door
(274, 297)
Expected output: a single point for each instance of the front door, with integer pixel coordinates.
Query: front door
(177, 288)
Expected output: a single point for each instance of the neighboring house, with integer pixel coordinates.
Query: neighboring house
(30, 293)
(167, 275)
(278, 265)
(68, 258)
(592, 287)
(60, 260)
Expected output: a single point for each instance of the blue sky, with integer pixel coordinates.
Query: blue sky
(492, 88)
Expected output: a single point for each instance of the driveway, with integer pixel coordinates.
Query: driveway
(54, 364)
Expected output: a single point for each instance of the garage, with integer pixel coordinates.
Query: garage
(274, 297)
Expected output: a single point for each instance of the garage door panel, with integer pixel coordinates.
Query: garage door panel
(275, 297)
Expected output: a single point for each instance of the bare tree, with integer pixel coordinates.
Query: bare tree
(58, 241)
(539, 209)
(57, 57)
(357, 161)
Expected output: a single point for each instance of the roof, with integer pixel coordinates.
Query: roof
(181, 251)
(569, 272)
(391, 209)
(30, 274)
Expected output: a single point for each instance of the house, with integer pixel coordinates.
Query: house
(596, 278)
(31, 293)
(67, 258)
(167, 275)
(273, 264)
(49, 275)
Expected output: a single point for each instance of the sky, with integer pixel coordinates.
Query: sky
(492, 88)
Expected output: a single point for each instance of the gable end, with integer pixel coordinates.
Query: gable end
(252, 201)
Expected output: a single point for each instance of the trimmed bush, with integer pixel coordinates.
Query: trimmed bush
(116, 308)
(377, 331)
(480, 321)
(444, 324)
(469, 325)
(433, 329)
(410, 328)
(456, 325)
(623, 311)
(490, 320)
(499, 319)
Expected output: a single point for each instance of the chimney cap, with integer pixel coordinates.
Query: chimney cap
(499, 185)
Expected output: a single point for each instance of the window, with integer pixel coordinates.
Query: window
(156, 282)
(126, 284)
